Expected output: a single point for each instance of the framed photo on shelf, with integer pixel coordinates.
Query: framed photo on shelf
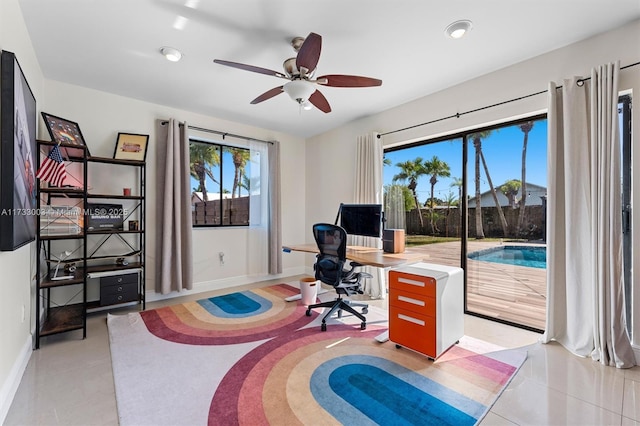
(62, 130)
(18, 156)
(131, 146)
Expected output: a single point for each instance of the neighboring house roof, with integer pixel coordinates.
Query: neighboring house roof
(534, 197)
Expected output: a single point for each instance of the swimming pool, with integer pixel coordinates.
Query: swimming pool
(533, 257)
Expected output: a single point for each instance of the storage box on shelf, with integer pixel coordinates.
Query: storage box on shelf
(112, 254)
(60, 220)
(118, 289)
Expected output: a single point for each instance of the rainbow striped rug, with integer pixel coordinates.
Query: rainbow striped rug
(252, 359)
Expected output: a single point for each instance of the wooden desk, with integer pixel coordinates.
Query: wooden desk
(367, 255)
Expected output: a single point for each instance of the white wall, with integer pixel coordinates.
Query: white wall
(102, 115)
(330, 172)
(16, 267)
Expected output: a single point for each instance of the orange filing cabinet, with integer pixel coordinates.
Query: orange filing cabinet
(426, 307)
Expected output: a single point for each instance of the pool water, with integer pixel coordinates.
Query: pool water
(533, 257)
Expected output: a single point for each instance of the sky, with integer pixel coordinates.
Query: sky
(502, 150)
(227, 176)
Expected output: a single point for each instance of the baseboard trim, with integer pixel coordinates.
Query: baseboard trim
(11, 384)
(152, 296)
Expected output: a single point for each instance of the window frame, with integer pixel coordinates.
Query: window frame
(625, 102)
(222, 147)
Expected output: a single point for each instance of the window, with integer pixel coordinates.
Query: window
(624, 115)
(477, 200)
(220, 184)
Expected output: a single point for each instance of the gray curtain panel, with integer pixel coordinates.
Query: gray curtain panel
(585, 303)
(174, 260)
(275, 221)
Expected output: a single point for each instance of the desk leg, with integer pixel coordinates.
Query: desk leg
(384, 337)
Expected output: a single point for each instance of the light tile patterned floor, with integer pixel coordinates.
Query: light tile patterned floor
(69, 381)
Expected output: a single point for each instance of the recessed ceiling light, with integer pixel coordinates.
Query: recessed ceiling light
(459, 28)
(173, 55)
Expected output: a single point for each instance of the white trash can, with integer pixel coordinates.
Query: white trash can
(308, 290)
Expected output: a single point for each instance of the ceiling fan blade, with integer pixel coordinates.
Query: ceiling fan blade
(267, 95)
(250, 68)
(319, 101)
(338, 80)
(309, 52)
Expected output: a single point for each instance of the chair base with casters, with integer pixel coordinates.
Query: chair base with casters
(341, 304)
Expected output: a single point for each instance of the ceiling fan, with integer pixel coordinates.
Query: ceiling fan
(302, 87)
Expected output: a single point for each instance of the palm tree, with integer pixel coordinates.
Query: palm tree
(240, 158)
(449, 201)
(526, 128)
(457, 182)
(202, 158)
(477, 144)
(246, 183)
(494, 194)
(510, 189)
(436, 168)
(411, 171)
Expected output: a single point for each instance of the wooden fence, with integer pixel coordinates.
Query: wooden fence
(235, 211)
(447, 222)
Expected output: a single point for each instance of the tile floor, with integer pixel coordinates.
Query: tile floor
(68, 381)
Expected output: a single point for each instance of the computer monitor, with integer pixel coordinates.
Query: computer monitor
(362, 219)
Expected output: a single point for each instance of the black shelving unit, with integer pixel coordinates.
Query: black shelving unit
(88, 255)
(136, 243)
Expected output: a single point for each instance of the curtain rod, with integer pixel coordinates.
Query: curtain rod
(223, 134)
(580, 82)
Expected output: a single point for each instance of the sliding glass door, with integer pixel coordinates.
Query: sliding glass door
(478, 201)
(506, 249)
(424, 196)
(624, 114)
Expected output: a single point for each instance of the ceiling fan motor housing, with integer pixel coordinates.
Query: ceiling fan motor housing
(290, 68)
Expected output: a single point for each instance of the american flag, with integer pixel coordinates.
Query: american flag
(52, 169)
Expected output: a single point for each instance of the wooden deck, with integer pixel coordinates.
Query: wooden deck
(512, 293)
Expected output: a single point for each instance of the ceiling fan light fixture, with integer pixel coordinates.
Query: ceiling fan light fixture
(459, 28)
(172, 54)
(299, 90)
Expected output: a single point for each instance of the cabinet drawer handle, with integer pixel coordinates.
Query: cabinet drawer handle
(119, 280)
(411, 282)
(411, 319)
(120, 297)
(412, 301)
(120, 288)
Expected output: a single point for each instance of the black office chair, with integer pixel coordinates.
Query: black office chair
(329, 267)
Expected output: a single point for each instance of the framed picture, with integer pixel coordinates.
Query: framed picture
(18, 156)
(62, 130)
(131, 146)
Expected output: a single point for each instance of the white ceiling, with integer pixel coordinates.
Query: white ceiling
(113, 46)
